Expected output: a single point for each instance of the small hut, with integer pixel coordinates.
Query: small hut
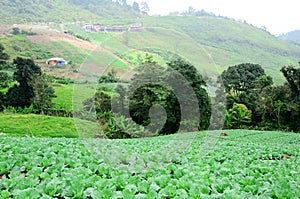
(56, 61)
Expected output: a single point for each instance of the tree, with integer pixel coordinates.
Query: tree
(196, 82)
(43, 93)
(111, 77)
(100, 103)
(243, 83)
(275, 107)
(191, 11)
(136, 6)
(292, 75)
(147, 92)
(292, 101)
(4, 83)
(22, 95)
(241, 77)
(16, 31)
(177, 89)
(144, 7)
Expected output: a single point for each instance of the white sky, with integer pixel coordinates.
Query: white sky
(277, 16)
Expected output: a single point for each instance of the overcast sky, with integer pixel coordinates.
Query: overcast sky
(277, 16)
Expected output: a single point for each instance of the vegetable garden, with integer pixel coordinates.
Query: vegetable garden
(244, 164)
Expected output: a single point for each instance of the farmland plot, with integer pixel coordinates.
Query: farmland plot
(244, 164)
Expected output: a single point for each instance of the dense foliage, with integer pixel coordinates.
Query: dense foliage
(271, 106)
(157, 98)
(28, 87)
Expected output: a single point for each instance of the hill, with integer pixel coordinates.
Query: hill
(293, 36)
(211, 43)
(229, 42)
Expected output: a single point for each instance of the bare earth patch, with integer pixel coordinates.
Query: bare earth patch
(51, 36)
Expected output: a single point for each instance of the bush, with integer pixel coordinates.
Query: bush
(119, 127)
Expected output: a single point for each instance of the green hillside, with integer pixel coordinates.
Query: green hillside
(16, 12)
(30, 125)
(230, 42)
(211, 43)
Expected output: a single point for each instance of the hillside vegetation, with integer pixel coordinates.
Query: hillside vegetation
(211, 43)
(60, 11)
(229, 42)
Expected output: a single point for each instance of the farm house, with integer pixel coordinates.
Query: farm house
(56, 61)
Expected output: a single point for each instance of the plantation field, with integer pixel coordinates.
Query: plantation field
(244, 164)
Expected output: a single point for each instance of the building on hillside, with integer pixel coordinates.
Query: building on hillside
(88, 28)
(133, 27)
(56, 61)
(136, 27)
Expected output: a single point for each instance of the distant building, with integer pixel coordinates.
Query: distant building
(88, 28)
(136, 27)
(113, 28)
(56, 61)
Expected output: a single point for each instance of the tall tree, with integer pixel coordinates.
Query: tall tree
(148, 90)
(292, 101)
(136, 6)
(144, 7)
(241, 82)
(197, 83)
(31, 85)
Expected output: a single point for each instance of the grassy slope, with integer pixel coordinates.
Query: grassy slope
(72, 96)
(18, 125)
(19, 45)
(230, 42)
(211, 44)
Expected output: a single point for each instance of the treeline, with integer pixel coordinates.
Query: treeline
(158, 101)
(248, 98)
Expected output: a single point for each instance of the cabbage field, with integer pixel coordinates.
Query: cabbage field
(241, 164)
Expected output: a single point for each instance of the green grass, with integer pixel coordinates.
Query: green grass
(72, 96)
(18, 125)
(244, 164)
(19, 45)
